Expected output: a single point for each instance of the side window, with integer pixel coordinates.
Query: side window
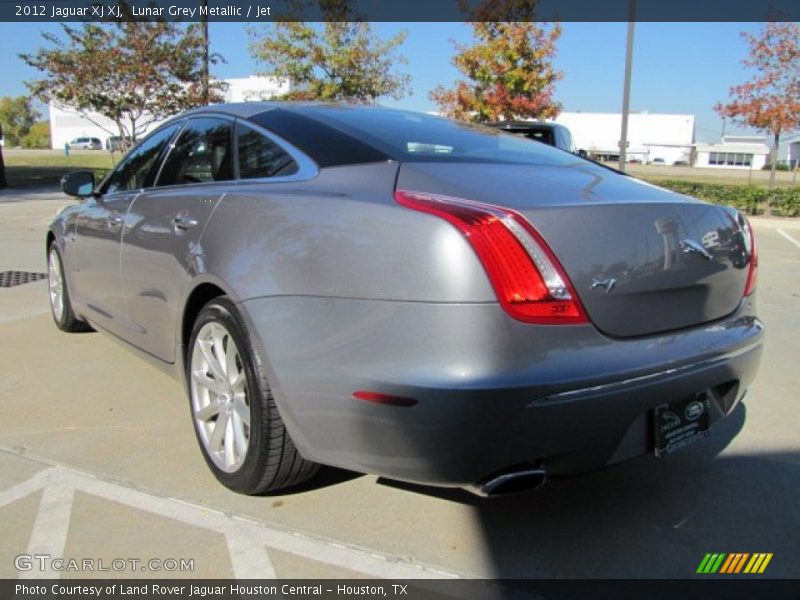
(202, 153)
(561, 139)
(259, 156)
(132, 173)
(571, 143)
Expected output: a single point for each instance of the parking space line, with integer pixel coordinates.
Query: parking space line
(246, 538)
(50, 529)
(788, 238)
(26, 488)
(249, 559)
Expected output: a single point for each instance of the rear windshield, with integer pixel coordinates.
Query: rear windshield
(409, 136)
(545, 136)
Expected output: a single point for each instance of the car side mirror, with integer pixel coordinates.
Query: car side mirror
(79, 184)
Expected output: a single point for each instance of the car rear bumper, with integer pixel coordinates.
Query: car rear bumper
(491, 393)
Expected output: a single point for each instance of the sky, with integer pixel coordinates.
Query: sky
(682, 68)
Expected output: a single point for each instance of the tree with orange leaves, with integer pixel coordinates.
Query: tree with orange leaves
(770, 101)
(508, 71)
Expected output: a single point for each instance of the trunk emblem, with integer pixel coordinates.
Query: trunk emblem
(606, 284)
(691, 247)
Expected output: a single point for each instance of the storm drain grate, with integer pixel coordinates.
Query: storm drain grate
(12, 278)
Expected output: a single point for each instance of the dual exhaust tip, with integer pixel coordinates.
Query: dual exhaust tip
(510, 482)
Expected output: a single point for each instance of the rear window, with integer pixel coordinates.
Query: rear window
(417, 137)
(545, 136)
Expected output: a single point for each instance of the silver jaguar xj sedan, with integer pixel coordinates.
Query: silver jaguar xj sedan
(400, 294)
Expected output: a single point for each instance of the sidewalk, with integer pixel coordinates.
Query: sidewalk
(33, 192)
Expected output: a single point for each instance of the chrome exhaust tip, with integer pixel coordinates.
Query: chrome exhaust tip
(512, 482)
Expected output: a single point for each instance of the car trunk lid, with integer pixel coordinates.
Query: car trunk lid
(642, 260)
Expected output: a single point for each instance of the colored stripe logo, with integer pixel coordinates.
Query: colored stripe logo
(735, 562)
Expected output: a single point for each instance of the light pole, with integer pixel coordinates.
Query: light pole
(3, 182)
(204, 20)
(626, 92)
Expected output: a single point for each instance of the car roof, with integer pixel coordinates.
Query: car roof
(248, 110)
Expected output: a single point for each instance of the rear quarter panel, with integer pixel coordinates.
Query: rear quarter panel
(340, 235)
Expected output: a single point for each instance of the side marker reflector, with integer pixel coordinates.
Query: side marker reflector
(379, 398)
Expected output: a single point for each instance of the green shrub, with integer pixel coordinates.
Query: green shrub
(99, 174)
(747, 198)
(785, 202)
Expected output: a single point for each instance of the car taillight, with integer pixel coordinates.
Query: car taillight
(752, 251)
(526, 276)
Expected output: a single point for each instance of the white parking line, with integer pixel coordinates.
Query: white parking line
(49, 535)
(247, 559)
(788, 238)
(247, 539)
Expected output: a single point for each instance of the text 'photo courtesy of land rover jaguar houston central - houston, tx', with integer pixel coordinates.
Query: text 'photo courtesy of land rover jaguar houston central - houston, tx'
(404, 295)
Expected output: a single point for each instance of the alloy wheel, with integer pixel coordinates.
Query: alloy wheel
(220, 403)
(55, 285)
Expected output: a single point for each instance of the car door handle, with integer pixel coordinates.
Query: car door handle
(184, 221)
(115, 220)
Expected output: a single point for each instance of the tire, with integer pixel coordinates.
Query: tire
(226, 382)
(58, 293)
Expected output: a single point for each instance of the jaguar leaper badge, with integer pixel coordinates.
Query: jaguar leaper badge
(606, 284)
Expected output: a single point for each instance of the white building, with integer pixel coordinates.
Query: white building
(668, 138)
(789, 150)
(66, 124)
(733, 152)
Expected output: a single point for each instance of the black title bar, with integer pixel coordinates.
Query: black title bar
(720, 588)
(395, 10)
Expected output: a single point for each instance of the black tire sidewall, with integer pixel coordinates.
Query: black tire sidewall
(221, 310)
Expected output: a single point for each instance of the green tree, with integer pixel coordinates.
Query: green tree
(341, 59)
(770, 100)
(508, 71)
(38, 136)
(134, 73)
(17, 116)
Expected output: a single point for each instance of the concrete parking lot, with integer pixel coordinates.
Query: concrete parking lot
(98, 461)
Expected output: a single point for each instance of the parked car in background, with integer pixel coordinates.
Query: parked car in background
(658, 162)
(405, 295)
(86, 143)
(114, 143)
(551, 134)
(680, 163)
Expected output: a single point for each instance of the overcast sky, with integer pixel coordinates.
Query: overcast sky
(678, 67)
